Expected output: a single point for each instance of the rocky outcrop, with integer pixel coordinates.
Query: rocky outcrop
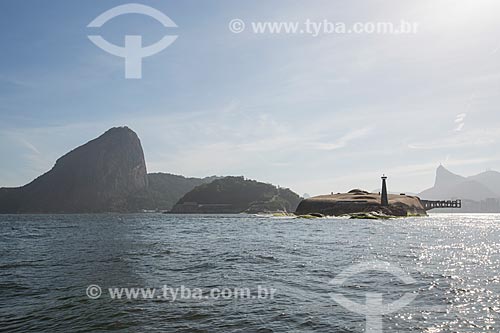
(99, 176)
(237, 195)
(360, 202)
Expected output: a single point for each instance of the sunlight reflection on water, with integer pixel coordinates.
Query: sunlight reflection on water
(46, 263)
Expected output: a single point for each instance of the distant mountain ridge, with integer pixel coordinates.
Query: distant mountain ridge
(448, 185)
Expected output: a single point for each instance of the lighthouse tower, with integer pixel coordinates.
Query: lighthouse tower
(384, 200)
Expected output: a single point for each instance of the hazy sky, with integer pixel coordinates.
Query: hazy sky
(316, 114)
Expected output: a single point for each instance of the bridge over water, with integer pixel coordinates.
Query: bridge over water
(431, 204)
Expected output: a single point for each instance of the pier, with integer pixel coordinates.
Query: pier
(430, 204)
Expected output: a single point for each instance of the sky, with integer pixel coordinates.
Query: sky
(317, 114)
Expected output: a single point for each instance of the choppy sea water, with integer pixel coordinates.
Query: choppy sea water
(47, 263)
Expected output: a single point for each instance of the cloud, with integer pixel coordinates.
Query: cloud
(460, 121)
(460, 127)
(344, 140)
(460, 117)
(29, 145)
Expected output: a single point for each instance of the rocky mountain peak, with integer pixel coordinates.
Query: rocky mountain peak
(446, 178)
(98, 176)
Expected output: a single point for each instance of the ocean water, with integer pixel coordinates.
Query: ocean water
(449, 264)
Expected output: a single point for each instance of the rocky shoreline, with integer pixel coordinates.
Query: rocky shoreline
(361, 204)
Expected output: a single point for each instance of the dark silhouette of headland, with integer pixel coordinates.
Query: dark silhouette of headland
(109, 174)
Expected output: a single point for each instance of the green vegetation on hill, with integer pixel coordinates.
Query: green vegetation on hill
(236, 195)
